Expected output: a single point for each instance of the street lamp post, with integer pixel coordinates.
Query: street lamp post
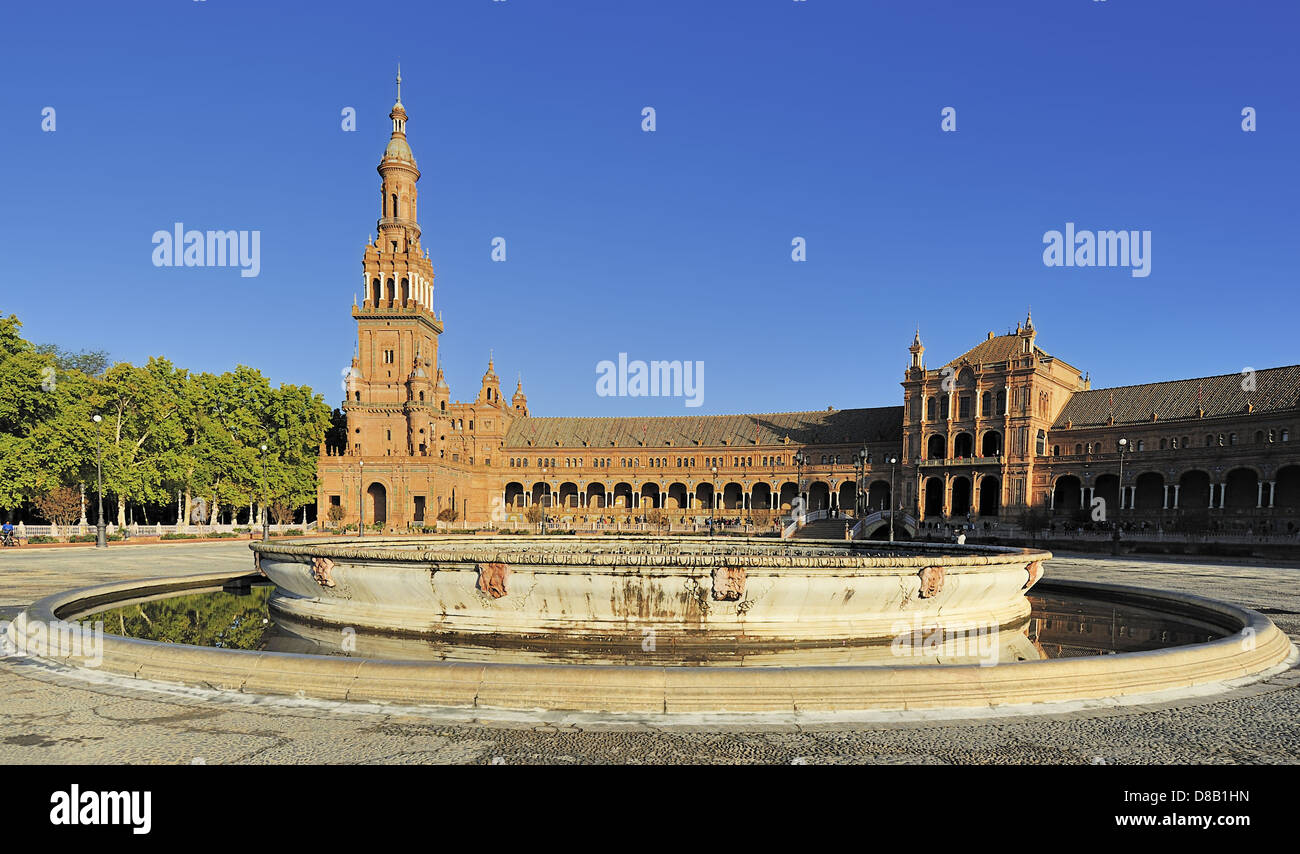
(266, 516)
(713, 498)
(860, 470)
(893, 485)
(799, 459)
(1123, 446)
(1114, 537)
(101, 534)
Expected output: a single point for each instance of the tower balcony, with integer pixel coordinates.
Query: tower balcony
(396, 308)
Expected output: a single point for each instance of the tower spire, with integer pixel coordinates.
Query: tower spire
(399, 82)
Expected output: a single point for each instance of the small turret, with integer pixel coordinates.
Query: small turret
(917, 349)
(490, 390)
(520, 401)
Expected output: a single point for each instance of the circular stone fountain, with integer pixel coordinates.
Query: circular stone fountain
(687, 591)
(686, 619)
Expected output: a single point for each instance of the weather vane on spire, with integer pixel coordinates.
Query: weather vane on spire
(399, 82)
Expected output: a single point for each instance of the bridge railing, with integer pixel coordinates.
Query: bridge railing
(902, 519)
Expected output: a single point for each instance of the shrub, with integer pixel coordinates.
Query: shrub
(42, 538)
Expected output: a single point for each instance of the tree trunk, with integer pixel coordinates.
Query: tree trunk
(184, 521)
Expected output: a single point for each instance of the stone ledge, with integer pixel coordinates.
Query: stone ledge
(659, 690)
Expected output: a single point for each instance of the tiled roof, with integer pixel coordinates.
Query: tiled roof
(834, 426)
(1275, 389)
(999, 348)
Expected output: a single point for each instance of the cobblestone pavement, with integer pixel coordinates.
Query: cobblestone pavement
(48, 717)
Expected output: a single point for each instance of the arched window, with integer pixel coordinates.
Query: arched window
(394, 197)
(1040, 446)
(930, 406)
(1209, 440)
(374, 292)
(1078, 449)
(1163, 444)
(358, 396)
(1056, 450)
(1232, 438)
(1259, 437)
(1286, 435)
(1142, 446)
(986, 403)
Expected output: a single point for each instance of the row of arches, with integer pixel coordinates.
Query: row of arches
(1212, 440)
(959, 494)
(963, 445)
(390, 290)
(1240, 489)
(678, 496)
(991, 404)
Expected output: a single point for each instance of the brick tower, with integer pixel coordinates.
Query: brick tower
(393, 396)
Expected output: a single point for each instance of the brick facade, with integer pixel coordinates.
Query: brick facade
(1000, 429)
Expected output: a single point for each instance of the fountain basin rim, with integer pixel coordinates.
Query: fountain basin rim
(693, 690)
(765, 552)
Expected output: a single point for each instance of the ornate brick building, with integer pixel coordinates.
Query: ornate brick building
(1000, 429)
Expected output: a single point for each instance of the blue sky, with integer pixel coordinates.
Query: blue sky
(775, 119)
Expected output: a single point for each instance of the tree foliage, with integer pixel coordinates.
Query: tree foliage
(61, 505)
(163, 431)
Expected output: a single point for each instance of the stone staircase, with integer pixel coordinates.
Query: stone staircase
(823, 529)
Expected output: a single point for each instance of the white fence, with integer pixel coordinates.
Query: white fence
(25, 531)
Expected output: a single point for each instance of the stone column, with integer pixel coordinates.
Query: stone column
(1272, 489)
(1166, 504)
(1176, 486)
(1223, 494)
(1259, 497)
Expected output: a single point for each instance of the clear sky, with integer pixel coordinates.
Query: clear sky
(775, 119)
